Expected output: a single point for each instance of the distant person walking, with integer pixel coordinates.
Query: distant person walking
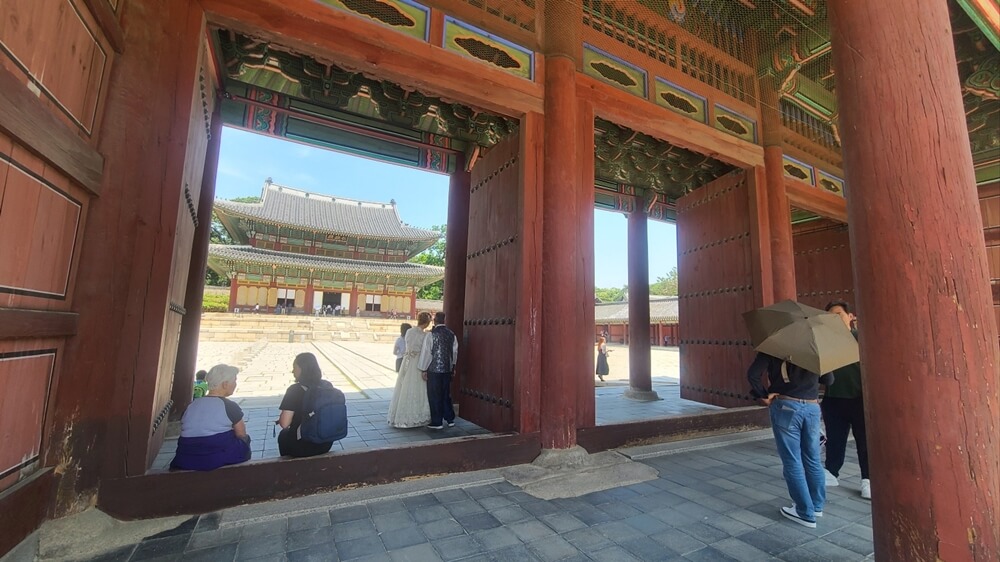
(437, 365)
(399, 349)
(602, 358)
(844, 411)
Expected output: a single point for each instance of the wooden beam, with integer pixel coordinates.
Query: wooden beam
(28, 122)
(24, 507)
(174, 493)
(816, 200)
(349, 41)
(646, 117)
(17, 323)
(604, 437)
(108, 21)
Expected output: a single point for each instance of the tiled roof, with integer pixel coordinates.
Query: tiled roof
(325, 213)
(661, 310)
(427, 273)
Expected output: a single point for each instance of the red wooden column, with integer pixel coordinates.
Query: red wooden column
(187, 345)
(310, 301)
(354, 298)
(234, 286)
(457, 248)
(565, 355)
(640, 384)
(586, 412)
(413, 303)
(778, 210)
(928, 337)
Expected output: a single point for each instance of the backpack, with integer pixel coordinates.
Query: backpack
(324, 414)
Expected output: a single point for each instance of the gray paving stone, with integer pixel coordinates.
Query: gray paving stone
(619, 510)
(442, 529)
(316, 553)
(826, 550)
(562, 522)
(740, 550)
(462, 508)
(505, 487)
(539, 508)
(430, 513)
(612, 553)
(517, 553)
(750, 518)
(357, 548)
(393, 521)
(494, 502)
(709, 554)
(222, 553)
(478, 522)
(255, 547)
(765, 542)
(646, 524)
(495, 539)
(645, 548)
(789, 533)
(308, 521)
(417, 553)
(592, 516)
(678, 541)
(552, 548)
(728, 525)
(402, 538)
(617, 531)
(510, 514)
(484, 491)
(265, 528)
(853, 543)
(530, 530)
(423, 500)
(451, 496)
(587, 539)
(457, 547)
(210, 538)
(860, 531)
(306, 538)
(520, 497)
(673, 517)
(383, 507)
(353, 530)
(346, 514)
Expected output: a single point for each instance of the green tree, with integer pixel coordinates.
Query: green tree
(666, 285)
(612, 294)
(219, 235)
(435, 255)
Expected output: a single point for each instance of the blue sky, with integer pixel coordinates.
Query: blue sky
(246, 159)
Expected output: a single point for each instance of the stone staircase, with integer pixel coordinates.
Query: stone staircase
(226, 327)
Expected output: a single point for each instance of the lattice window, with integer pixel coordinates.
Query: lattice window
(804, 123)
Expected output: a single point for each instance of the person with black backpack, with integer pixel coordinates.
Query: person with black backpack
(313, 412)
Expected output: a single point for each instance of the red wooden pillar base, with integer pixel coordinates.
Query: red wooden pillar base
(234, 287)
(928, 335)
(639, 359)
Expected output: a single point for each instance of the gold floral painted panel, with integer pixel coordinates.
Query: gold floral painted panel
(680, 100)
(831, 183)
(735, 124)
(799, 170)
(404, 16)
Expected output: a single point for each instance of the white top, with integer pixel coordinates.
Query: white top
(399, 350)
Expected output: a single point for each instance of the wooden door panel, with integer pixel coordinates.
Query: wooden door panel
(25, 378)
(717, 285)
(823, 269)
(486, 385)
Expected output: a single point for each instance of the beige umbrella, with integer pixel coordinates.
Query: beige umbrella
(802, 335)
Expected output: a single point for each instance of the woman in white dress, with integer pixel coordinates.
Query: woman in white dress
(409, 406)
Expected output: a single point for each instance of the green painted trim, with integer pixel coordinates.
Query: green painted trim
(988, 173)
(981, 22)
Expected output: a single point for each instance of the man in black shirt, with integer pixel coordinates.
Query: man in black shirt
(792, 397)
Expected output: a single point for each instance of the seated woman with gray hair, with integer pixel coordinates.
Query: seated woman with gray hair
(213, 432)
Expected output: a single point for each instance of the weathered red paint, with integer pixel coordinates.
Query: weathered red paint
(586, 415)
(928, 338)
(780, 226)
(639, 358)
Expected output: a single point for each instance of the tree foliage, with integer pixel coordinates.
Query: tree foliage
(435, 255)
(612, 294)
(666, 285)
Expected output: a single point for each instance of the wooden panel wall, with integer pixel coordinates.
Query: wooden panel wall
(486, 389)
(823, 271)
(715, 237)
(54, 63)
(989, 206)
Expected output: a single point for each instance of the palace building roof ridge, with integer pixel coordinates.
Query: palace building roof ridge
(363, 267)
(319, 212)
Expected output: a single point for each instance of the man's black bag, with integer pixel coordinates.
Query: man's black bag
(324, 414)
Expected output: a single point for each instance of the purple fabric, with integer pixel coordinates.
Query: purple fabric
(211, 452)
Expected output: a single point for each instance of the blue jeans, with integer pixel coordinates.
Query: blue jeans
(796, 427)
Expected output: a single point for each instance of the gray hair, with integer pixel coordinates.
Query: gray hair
(220, 374)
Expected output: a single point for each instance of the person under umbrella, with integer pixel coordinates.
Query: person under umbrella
(788, 335)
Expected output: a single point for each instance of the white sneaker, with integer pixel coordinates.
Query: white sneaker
(790, 513)
(866, 488)
(831, 480)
